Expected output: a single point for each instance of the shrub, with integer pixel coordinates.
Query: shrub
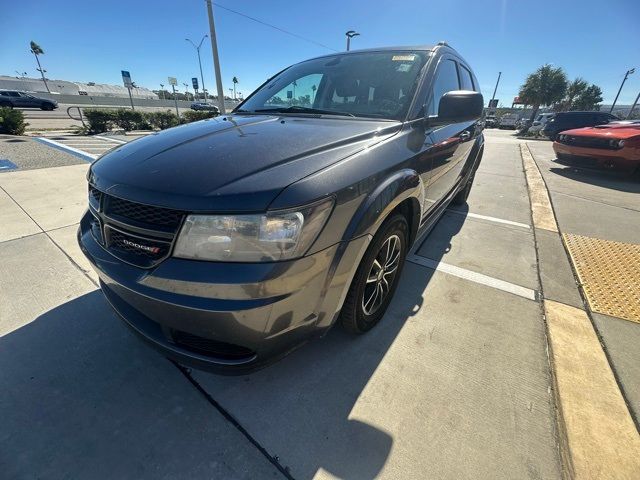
(162, 120)
(193, 115)
(130, 120)
(100, 121)
(12, 121)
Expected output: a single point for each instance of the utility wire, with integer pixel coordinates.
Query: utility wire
(274, 27)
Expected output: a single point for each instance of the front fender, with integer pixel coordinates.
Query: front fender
(392, 191)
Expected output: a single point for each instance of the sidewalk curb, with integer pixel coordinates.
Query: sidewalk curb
(597, 435)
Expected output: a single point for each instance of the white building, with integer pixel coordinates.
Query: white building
(63, 87)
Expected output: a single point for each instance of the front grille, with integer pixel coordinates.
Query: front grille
(208, 347)
(145, 215)
(139, 246)
(136, 233)
(588, 142)
(95, 197)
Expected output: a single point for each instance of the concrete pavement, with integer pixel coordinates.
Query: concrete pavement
(454, 383)
(601, 205)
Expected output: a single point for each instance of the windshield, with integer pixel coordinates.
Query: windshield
(369, 84)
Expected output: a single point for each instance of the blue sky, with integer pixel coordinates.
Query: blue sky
(93, 41)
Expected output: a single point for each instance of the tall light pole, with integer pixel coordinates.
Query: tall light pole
(350, 34)
(633, 107)
(495, 90)
(186, 89)
(199, 62)
(162, 90)
(216, 60)
(626, 75)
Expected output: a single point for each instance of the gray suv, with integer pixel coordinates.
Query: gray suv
(229, 242)
(14, 98)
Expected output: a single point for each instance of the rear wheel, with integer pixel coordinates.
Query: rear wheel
(46, 106)
(377, 277)
(6, 105)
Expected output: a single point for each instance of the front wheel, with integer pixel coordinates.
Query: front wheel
(377, 277)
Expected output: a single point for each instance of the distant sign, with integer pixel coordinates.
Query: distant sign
(173, 81)
(516, 101)
(289, 93)
(194, 81)
(493, 103)
(126, 79)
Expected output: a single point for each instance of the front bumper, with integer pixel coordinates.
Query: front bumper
(623, 158)
(226, 317)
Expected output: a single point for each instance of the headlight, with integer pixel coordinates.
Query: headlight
(267, 237)
(620, 143)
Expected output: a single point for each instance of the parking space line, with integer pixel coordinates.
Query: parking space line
(110, 139)
(74, 151)
(475, 277)
(491, 219)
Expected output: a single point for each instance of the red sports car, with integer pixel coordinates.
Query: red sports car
(615, 144)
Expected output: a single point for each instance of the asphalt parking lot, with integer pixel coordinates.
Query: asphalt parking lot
(458, 381)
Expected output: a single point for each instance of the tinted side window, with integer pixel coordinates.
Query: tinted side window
(446, 81)
(466, 80)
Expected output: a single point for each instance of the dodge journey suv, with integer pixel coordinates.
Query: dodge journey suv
(229, 242)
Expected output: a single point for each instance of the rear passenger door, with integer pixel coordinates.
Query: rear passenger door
(450, 143)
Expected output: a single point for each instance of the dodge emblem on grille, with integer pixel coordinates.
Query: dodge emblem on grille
(141, 247)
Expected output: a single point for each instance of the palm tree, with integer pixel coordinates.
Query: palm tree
(546, 86)
(235, 80)
(37, 50)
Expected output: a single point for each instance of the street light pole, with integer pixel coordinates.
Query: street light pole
(216, 60)
(162, 90)
(626, 75)
(495, 89)
(350, 34)
(633, 107)
(200, 62)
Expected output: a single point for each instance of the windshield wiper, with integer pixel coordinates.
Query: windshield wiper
(299, 109)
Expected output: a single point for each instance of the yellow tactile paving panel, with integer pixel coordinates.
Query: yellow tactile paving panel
(609, 273)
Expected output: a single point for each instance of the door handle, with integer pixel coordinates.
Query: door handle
(464, 136)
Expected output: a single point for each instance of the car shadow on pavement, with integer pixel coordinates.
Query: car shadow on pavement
(621, 180)
(83, 398)
(309, 409)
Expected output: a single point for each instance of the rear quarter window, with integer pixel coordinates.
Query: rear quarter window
(466, 79)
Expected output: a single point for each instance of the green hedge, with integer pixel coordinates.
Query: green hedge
(12, 121)
(162, 120)
(101, 121)
(194, 116)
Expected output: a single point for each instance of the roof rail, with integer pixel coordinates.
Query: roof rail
(443, 43)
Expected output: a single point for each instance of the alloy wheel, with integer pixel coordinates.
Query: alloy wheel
(381, 275)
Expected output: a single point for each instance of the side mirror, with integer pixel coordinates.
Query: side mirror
(458, 106)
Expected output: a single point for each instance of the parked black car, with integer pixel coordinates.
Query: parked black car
(197, 106)
(568, 120)
(14, 98)
(228, 242)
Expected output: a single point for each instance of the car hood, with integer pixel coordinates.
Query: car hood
(613, 131)
(231, 163)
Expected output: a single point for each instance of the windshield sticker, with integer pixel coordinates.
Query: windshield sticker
(403, 67)
(403, 58)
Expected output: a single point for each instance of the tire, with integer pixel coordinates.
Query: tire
(46, 106)
(362, 309)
